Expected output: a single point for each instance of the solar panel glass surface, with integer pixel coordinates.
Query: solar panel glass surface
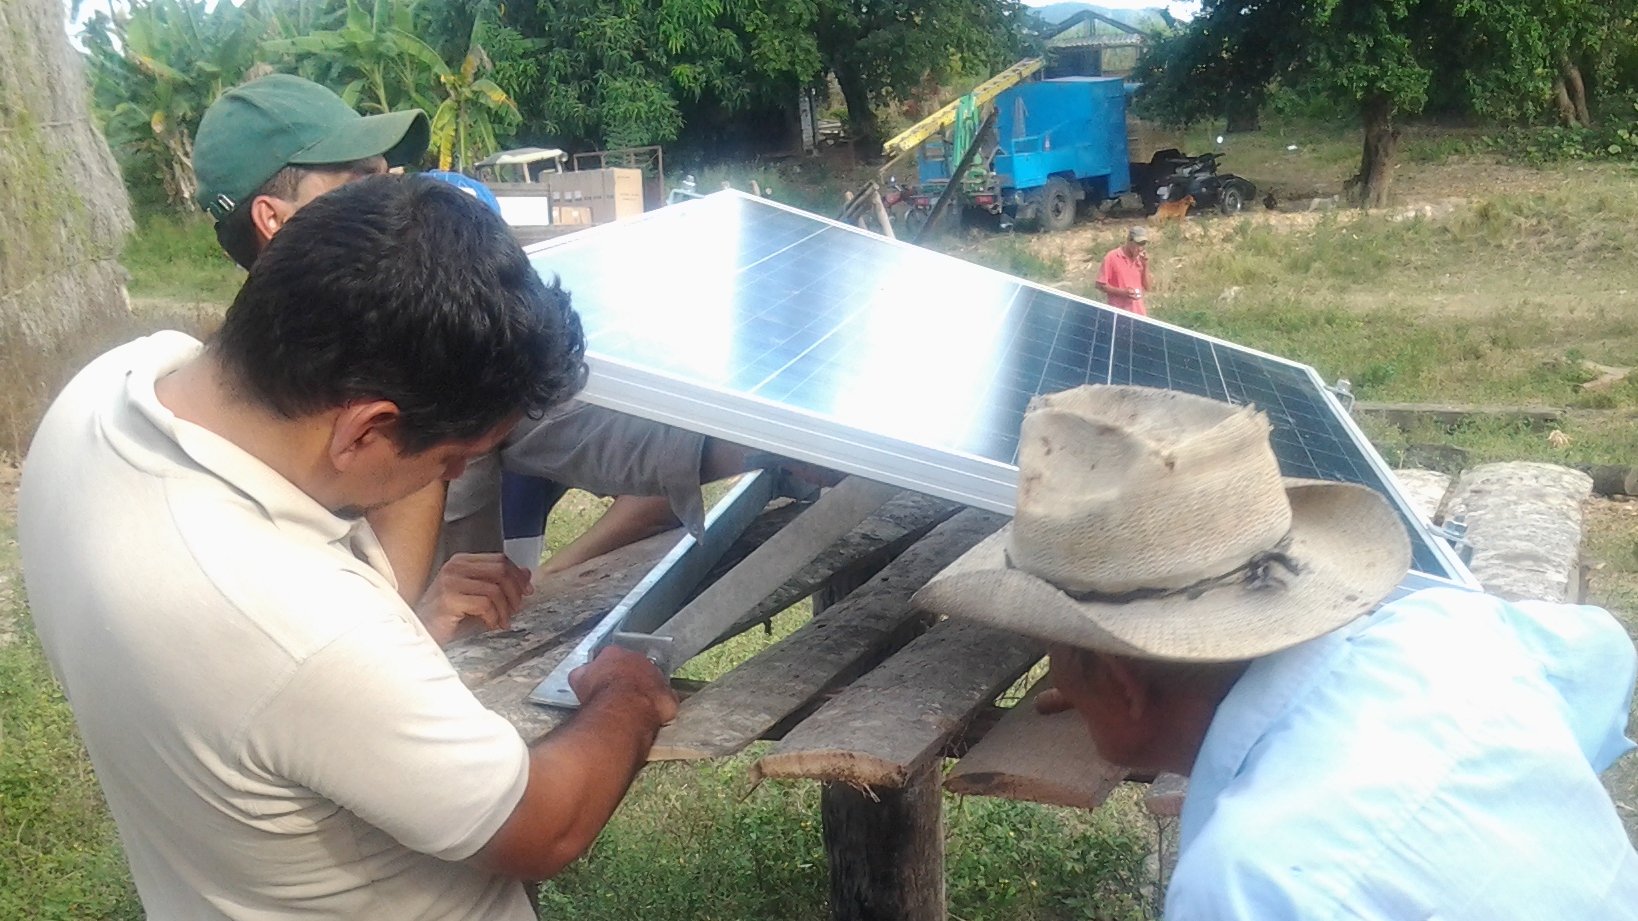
(754, 322)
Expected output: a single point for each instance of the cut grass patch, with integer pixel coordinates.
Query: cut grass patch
(175, 257)
(61, 860)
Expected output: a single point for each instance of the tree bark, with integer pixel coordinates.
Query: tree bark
(1370, 186)
(861, 118)
(1243, 115)
(1561, 99)
(1577, 90)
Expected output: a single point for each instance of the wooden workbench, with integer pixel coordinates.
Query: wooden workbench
(868, 698)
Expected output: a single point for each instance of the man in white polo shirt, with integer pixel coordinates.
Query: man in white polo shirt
(277, 733)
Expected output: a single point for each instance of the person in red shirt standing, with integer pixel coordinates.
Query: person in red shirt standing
(1125, 274)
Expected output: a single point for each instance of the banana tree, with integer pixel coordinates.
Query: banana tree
(155, 67)
(386, 66)
(465, 123)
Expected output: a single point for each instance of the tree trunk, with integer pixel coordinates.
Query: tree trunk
(861, 118)
(1561, 99)
(1578, 92)
(1243, 116)
(1370, 186)
(63, 220)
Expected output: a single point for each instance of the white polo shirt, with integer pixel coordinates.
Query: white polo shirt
(277, 734)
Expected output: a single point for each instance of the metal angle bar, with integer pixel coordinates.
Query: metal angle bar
(662, 591)
(760, 574)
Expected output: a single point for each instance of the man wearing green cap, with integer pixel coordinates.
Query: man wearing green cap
(270, 146)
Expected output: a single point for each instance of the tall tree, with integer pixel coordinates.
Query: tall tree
(879, 50)
(63, 219)
(623, 73)
(474, 112)
(1376, 58)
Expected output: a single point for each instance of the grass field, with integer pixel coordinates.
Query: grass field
(1490, 283)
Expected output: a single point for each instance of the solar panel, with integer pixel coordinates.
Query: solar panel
(754, 322)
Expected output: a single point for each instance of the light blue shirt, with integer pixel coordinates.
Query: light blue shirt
(1436, 760)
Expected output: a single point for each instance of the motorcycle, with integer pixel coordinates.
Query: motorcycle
(1170, 175)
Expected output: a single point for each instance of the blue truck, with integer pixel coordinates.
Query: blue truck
(1056, 144)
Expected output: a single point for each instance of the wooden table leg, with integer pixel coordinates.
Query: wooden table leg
(886, 850)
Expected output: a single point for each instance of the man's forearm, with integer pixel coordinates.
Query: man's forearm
(577, 776)
(408, 532)
(628, 520)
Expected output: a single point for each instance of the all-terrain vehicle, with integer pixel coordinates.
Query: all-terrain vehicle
(1170, 175)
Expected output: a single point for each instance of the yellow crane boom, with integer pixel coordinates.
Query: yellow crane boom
(918, 133)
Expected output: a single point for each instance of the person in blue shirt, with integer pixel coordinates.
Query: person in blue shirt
(1432, 757)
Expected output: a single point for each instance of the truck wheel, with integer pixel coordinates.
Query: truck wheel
(1233, 200)
(1057, 205)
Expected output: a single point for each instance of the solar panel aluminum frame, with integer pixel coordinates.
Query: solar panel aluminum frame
(959, 476)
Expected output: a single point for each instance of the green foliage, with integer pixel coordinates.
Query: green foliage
(175, 257)
(1614, 139)
(1500, 59)
(880, 51)
(621, 74)
(62, 860)
(1494, 58)
(154, 68)
(1007, 859)
(382, 63)
(692, 843)
(474, 114)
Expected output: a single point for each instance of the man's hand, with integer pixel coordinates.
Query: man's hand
(579, 771)
(617, 671)
(1052, 701)
(486, 587)
(1068, 676)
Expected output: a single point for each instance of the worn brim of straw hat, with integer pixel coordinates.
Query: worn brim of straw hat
(1350, 547)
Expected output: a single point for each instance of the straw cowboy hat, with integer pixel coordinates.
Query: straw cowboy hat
(1156, 525)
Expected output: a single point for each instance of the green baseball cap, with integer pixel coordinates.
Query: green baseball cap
(280, 120)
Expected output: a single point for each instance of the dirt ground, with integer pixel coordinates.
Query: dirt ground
(1302, 200)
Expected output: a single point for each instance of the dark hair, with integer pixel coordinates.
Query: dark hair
(406, 290)
(234, 231)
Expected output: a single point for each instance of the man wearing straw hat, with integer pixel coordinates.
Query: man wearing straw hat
(1436, 756)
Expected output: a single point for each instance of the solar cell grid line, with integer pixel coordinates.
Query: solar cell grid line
(1148, 354)
(747, 320)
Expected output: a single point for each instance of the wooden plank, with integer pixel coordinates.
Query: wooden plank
(559, 611)
(508, 694)
(881, 537)
(1037, 758)
(899, 717)
(1166, 795)
(834, 647)
(886, 850)
(695, 627)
